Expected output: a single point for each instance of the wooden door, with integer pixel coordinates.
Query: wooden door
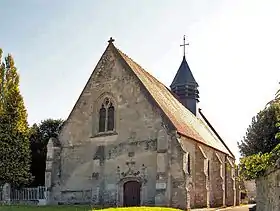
(131, 194)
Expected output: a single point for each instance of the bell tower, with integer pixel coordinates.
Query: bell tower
(185, 86)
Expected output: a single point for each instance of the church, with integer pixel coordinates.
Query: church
(132, 141)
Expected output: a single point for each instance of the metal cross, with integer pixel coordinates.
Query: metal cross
(184, 45)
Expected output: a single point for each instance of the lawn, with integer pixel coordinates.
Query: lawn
(80, 208)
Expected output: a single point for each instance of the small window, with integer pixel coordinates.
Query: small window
(189, 164)
(208, 169)
(106, 116)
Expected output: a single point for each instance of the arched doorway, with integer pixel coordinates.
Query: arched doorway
(131, 194)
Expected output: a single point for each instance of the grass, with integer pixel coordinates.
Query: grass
(141, 209)
(80, 208)
(44, 208)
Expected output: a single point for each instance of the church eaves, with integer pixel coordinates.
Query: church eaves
(183, 120)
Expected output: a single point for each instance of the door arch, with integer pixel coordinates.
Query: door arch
(131, 194)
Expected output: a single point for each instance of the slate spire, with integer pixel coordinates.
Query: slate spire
(185, 86)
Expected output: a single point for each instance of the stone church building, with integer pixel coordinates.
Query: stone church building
(132, 141)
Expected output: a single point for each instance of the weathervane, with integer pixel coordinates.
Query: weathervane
(184, 45)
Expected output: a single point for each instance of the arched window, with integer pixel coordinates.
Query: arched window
(189, 163)
(111, 117)
(106, 116)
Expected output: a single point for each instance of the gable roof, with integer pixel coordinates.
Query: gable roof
(184, 121)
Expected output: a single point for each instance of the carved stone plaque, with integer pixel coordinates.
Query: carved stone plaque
(160, 185)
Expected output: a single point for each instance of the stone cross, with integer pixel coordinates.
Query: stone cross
(111, 40)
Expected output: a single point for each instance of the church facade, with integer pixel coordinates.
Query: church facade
(131, 141)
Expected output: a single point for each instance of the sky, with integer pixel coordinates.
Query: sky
(233, 53)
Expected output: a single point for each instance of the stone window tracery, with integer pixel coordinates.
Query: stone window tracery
(106, 116)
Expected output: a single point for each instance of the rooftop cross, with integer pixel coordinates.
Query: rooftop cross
(111, 40)
(184, 45)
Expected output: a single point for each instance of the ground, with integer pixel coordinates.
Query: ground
(88, 208)
(241, 208)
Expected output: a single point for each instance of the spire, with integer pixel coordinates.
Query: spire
(185, 86)
(184, 75)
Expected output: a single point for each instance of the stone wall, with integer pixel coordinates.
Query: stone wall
(230, 183)
(268, 191)
(212, 178)
(92, 166)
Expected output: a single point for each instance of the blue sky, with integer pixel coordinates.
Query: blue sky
(233, 54)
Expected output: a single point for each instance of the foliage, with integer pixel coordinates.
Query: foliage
(275, 154)
(254, 166)
(39, 137)
(261, 135)
(14, 145)
(260, 147)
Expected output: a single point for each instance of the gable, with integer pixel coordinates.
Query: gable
(134, 112)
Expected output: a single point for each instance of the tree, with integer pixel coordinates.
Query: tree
(263, 134)
(39, 137)
(14, 144)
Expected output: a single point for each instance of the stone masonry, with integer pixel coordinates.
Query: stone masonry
(88, 166)
(268, 191)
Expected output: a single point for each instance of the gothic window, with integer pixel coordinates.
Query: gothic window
(102, 118)
(106, 116)
(111, 119)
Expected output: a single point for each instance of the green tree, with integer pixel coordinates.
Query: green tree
(14, 144)
(39, 137)
(261, 135)
(254, 166)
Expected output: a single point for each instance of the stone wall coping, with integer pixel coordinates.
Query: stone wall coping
(270, 171)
